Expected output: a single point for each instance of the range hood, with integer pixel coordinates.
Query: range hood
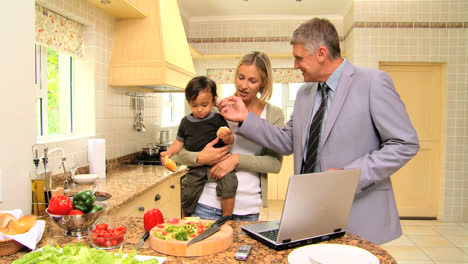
(152, 54)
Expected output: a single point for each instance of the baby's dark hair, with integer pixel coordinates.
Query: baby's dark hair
(198, 84)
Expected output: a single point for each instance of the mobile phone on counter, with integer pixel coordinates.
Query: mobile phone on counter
(243, 252)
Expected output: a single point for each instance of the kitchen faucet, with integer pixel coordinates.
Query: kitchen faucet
(45, 160)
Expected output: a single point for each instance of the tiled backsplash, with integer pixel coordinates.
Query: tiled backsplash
(374, 31)
(104, 111)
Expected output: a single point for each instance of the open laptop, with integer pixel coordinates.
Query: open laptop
(316, 208)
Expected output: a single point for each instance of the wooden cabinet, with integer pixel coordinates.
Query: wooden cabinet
(165, 197)
(278, 183)
(123, 9)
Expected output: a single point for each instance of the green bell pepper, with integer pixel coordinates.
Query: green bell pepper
(96, 208)
(84, 201)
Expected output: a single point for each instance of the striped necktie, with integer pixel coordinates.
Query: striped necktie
(315, 131)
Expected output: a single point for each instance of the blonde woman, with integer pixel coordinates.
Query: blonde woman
(251, 162)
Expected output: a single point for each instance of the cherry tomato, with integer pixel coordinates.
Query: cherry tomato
(122, 228)
(104, 236)
(100, 241)
(160, 226)
(102, 226)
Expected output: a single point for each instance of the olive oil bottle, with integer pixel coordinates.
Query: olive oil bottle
(39, 203)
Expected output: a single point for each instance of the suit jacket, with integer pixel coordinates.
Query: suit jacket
(367, 127)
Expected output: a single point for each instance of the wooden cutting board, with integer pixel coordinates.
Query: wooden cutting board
(218, 242)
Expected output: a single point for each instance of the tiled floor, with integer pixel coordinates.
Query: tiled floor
(422, 242)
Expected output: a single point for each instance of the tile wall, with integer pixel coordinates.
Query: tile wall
(372, 31)
(104, 112)
(423, 31)
(241, 36)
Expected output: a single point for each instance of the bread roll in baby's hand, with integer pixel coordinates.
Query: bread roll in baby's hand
(223, 131)
(168, 163)
(225, 134)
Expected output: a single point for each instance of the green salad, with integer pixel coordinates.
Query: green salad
(78, 253)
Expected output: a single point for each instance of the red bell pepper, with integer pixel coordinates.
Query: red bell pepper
(60, 205)
(152, 218)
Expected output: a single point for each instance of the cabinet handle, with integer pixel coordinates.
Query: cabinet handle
(172, 186)
(141, 208)
(157, 197)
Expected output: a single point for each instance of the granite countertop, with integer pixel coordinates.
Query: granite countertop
(128, 182)
(260, 253)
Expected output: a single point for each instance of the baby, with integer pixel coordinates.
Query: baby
(195, 131)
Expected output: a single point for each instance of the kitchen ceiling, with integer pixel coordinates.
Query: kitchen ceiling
(200, 9)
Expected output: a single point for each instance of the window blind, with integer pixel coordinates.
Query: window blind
(280, 75)
(58, 32)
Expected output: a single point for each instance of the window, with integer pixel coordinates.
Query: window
(173, 107)
(227, 89)
(53, 92)
(292, 91)
(284, 95)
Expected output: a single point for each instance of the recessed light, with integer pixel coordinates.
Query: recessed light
(298, 0)
(105, 2)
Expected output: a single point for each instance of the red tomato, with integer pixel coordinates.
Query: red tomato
(173, 220)
(75, 212)
(160, 226)
(122, 228)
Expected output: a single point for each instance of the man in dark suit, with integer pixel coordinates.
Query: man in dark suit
(356, 119)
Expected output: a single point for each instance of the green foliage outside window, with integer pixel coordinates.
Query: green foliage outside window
(52, 90)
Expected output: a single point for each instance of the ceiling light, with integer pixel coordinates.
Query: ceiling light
(105, 2)
(298, 0)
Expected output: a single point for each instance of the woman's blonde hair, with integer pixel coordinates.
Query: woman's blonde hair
(263, 64)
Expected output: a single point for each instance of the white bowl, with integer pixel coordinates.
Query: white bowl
(85, 178)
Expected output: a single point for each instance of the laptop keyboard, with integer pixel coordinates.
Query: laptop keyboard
(271, 234)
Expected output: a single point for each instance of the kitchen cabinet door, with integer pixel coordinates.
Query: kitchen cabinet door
(278, 183)
(165, 197)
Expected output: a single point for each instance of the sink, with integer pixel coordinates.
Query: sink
(100, 196)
